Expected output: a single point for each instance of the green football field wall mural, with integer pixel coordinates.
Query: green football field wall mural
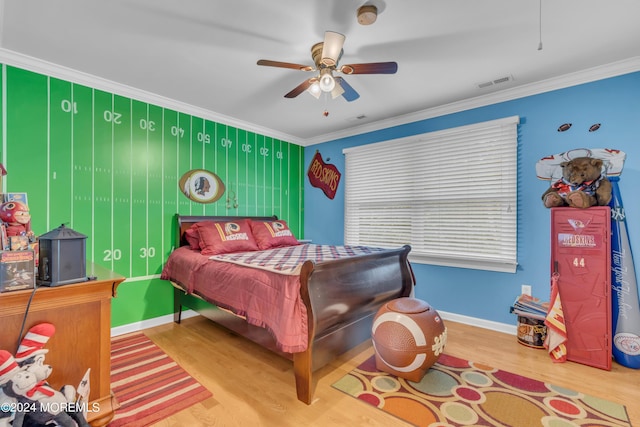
(108, 167)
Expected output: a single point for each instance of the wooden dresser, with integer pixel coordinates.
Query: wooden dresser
(81, 314)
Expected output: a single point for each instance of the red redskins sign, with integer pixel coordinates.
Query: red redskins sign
(323, 176)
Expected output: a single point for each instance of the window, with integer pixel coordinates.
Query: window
(450, 194)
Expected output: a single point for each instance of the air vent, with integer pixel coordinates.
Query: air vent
(497, 81)
(357, 118)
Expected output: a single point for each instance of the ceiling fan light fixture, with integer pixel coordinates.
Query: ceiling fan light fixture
(314, 89)
(337, 91)
(326, 52)
(367, 14)
(327, 82)
(332, 48)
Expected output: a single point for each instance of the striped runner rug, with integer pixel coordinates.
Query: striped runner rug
(147, 383)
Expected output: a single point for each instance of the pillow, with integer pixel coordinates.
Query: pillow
(272, 234)
(225, 237)
(191, 236)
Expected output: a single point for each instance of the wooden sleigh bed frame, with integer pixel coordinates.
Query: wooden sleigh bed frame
(341, 298)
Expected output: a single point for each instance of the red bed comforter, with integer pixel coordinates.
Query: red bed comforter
(264, 298)
(262, 286)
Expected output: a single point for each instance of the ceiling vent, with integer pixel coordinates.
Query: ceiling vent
(357, 118)
(498, 81)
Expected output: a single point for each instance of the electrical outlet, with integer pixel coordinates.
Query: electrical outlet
(526, 290)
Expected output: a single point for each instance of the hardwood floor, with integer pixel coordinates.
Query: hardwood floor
(253, 387)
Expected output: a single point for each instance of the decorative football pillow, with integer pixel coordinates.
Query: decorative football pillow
(192, 238)
(273, 234)
(225, 237)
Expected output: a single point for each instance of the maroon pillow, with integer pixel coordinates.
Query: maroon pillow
(225, 237)
(191, 236)
(273, 234)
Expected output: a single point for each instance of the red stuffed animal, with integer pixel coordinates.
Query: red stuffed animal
(17, 218)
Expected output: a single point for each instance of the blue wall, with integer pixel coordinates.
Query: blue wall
(613, 102)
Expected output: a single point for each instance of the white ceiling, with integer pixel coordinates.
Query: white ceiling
(203, 53)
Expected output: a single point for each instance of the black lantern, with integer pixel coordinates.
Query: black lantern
(62, 258)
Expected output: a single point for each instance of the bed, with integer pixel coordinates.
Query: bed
(309, 310)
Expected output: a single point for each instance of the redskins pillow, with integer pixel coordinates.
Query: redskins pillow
(225, 237)
(191, 236)
(272, 234)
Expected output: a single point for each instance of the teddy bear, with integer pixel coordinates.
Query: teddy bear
(40, 403)
(582, 185)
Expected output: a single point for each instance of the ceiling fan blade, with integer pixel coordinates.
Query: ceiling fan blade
(332, 48)
(370, 68)
(279, 64)
(300, 88)
(349, 93)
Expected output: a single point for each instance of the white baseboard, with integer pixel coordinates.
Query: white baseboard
(480, 323)
(149, 323)
(467, 320)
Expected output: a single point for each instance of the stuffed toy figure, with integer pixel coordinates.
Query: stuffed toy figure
(31, 352)
(41, 403)
(28, 386)
(7, 403)
(6, 415)
(582, 185)
(17, 218)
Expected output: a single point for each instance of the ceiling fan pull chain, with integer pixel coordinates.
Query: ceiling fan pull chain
(325, 112)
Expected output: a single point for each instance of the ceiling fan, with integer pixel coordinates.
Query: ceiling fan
(326, 55)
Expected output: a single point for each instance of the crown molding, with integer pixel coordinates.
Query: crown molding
(613, 69)
(36, 65)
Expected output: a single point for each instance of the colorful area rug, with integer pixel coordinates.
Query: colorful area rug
(148, 384)
(455, 392)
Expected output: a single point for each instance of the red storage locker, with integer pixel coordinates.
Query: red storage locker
(581, 254)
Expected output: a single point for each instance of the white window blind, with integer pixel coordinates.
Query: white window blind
(450, 194)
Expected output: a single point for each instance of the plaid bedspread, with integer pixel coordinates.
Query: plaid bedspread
(289, 259)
